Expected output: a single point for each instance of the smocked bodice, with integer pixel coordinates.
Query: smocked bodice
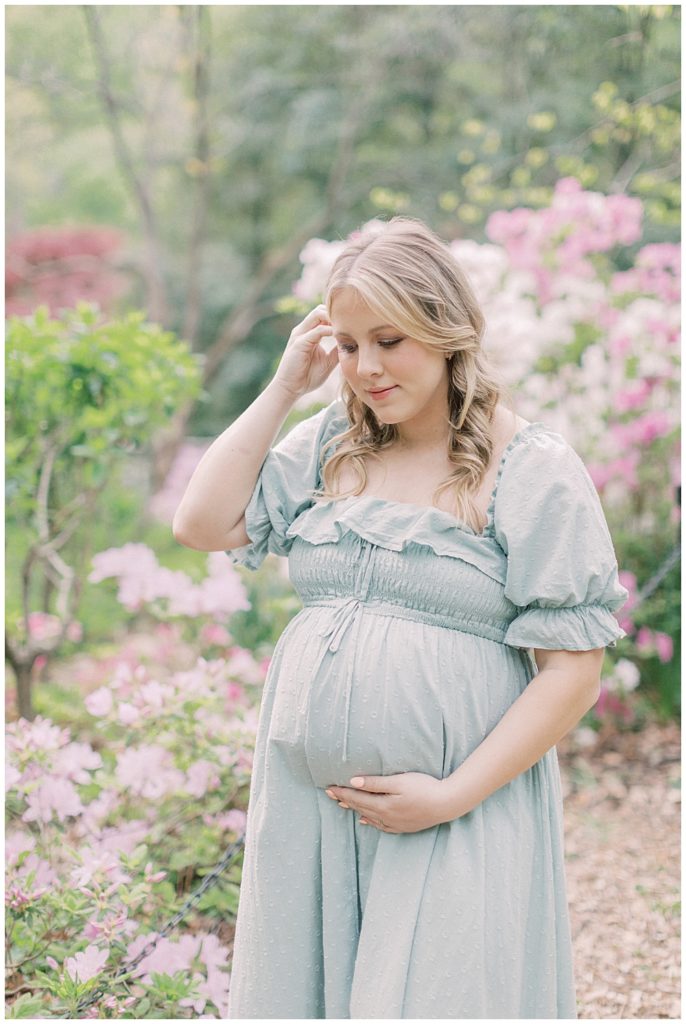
(383, 555)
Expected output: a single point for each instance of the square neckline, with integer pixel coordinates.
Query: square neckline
(458, 524)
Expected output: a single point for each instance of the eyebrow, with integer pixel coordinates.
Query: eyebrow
(381, 327)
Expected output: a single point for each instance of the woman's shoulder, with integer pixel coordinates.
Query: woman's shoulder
(540, 468)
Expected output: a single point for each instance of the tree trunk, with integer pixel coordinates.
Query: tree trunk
(23, 676)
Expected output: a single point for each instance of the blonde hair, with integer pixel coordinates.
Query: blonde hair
(408, 276)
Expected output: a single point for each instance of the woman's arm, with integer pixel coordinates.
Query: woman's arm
(210, 515)
(565, 688)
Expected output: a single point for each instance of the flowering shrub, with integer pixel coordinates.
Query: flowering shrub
(106, 833)
(142, 582)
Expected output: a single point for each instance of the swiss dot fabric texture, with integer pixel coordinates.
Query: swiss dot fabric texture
(415, 637)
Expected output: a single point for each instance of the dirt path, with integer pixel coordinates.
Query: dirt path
(622, 827)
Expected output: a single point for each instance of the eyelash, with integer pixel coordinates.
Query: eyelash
(384, 342)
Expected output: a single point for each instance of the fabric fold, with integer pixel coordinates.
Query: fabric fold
(396, 525)
(577, 628)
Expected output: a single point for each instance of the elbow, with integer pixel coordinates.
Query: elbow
(179, 533)
(183, 533)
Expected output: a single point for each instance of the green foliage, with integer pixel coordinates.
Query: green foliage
(85, 393)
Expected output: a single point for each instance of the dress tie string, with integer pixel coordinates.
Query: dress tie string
(344, 616)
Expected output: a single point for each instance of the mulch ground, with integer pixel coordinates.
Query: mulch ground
(622, 832)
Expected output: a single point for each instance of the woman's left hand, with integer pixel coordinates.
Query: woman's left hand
(408, 802)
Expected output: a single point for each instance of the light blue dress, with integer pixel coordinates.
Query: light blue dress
(414, 639)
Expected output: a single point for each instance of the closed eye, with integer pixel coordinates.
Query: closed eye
(384, 342)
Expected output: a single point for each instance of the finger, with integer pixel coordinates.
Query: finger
(377, 824)
(316, 333)
(371, 783)
(315, 315)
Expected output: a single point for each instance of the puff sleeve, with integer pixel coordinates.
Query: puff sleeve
(561, 565)
(289, 474)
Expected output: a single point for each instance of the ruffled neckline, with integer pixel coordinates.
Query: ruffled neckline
(451, 520)
(395, 524)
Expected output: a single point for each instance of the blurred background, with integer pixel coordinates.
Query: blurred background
(178, 181)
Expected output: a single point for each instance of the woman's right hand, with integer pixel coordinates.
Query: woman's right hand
(304, 364)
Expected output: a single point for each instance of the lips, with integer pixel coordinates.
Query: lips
(381, 391)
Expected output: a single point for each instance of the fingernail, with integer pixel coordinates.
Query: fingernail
(357, 781)
(341, 804)
(329, 793)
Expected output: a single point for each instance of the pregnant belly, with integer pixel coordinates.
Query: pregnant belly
(396, 695)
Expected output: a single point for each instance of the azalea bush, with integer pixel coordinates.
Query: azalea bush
(108, 833)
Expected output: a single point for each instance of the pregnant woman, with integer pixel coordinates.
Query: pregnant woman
(404, 843)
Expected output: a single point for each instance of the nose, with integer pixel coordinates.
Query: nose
(368, 361)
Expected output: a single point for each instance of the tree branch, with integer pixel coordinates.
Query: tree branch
(157, 300)
(201, 168)
(244, 317)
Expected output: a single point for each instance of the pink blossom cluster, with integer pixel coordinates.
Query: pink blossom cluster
(64, 837)
(183, 954)
(45, 767)
(559, 238)
(656, 271)
(142, 581)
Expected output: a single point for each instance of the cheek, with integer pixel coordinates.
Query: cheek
(347, 365)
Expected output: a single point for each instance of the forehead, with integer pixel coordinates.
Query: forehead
(349, 309)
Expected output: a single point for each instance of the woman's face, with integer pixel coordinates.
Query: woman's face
(398, 377)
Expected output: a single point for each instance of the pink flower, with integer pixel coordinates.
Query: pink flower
(148, 771)
(213, 633)
(232, 821)
(665, 647)
(44, 627)
(75, 761)
(12, 777)
(155, 695)
(644, 639)
(241, 663)
(74, 632)
(202, 776)
(167, 956)
(99, 702)
(17, 843)
(39, 870)
(18, 899)
(98, 865)
(87, 964)
(124, 838)
(153, 876)
(107, 929)
(643, 430)
(138, 558)
(633, 396)
(41, 734)
(127, 713)
(610, 703)
(53, 797)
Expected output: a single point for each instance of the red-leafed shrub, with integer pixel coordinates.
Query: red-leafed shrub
(58, 266)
